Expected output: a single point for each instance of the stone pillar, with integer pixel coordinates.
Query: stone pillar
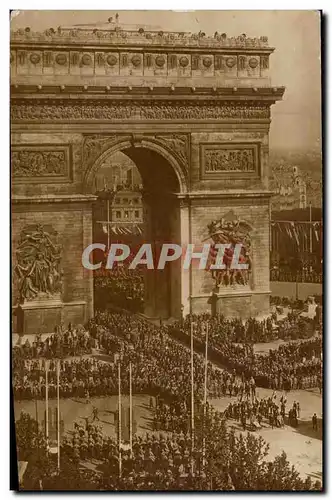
(70, 216)
(252, 298)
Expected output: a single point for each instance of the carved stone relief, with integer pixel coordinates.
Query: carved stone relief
(40, 163)
(179, 145)
(95, 145)
(38, 263)
(229, 160)
(230, 230)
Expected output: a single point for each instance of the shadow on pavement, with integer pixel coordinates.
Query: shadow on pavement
(305, 428)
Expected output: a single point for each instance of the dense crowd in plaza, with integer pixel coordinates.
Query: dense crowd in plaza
(292, 366)
(159, 364)
(295, 365)
(159, 361)
(303, 276)
(161, 367)
(121, 286)
(221, 330)
(64, 343)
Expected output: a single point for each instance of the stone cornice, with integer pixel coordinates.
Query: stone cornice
(128, 93)
(236, 193)
(61, 198)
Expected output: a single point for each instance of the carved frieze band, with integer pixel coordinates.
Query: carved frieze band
(40, 163)
(229, 160)
(114, 112)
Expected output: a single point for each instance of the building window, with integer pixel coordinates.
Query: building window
(125, 200)
(126, 214)
(136, 214)
(136, 200)
(118, 214)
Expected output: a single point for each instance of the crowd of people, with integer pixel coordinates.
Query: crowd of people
(294, 365)
(252, 413)
(158, 360)
(248, 409)
(304, 276)
(159, 365)
(293, 303)
(121, 287)
(221, 330)
(214, 458)
(64, 343)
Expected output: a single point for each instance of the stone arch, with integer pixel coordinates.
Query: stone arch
(102, 147)
(163, 166)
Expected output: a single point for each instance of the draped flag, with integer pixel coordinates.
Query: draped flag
(295, 233)
(316, 226)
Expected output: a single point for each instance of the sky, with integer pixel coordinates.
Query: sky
(295, 64)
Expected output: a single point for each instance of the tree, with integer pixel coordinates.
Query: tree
(29, 439)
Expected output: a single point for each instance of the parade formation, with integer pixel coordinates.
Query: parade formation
(180, 450)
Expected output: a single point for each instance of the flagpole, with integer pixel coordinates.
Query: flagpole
(58, 401)
(192, 397)
(120, 417)
(310, 222)
(46, 403)
(108, 224)
(205, 387)
(130, 411)
(270, 229)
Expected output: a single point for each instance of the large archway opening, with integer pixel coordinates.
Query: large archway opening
(137, 203)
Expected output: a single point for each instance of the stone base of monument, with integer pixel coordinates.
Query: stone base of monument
(39, 316)
(233, 302)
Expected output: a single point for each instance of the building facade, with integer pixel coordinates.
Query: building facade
(191, 111)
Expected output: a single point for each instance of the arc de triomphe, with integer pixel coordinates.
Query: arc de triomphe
(192, 112)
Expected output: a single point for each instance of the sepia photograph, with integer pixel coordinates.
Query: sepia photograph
(166, 250)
